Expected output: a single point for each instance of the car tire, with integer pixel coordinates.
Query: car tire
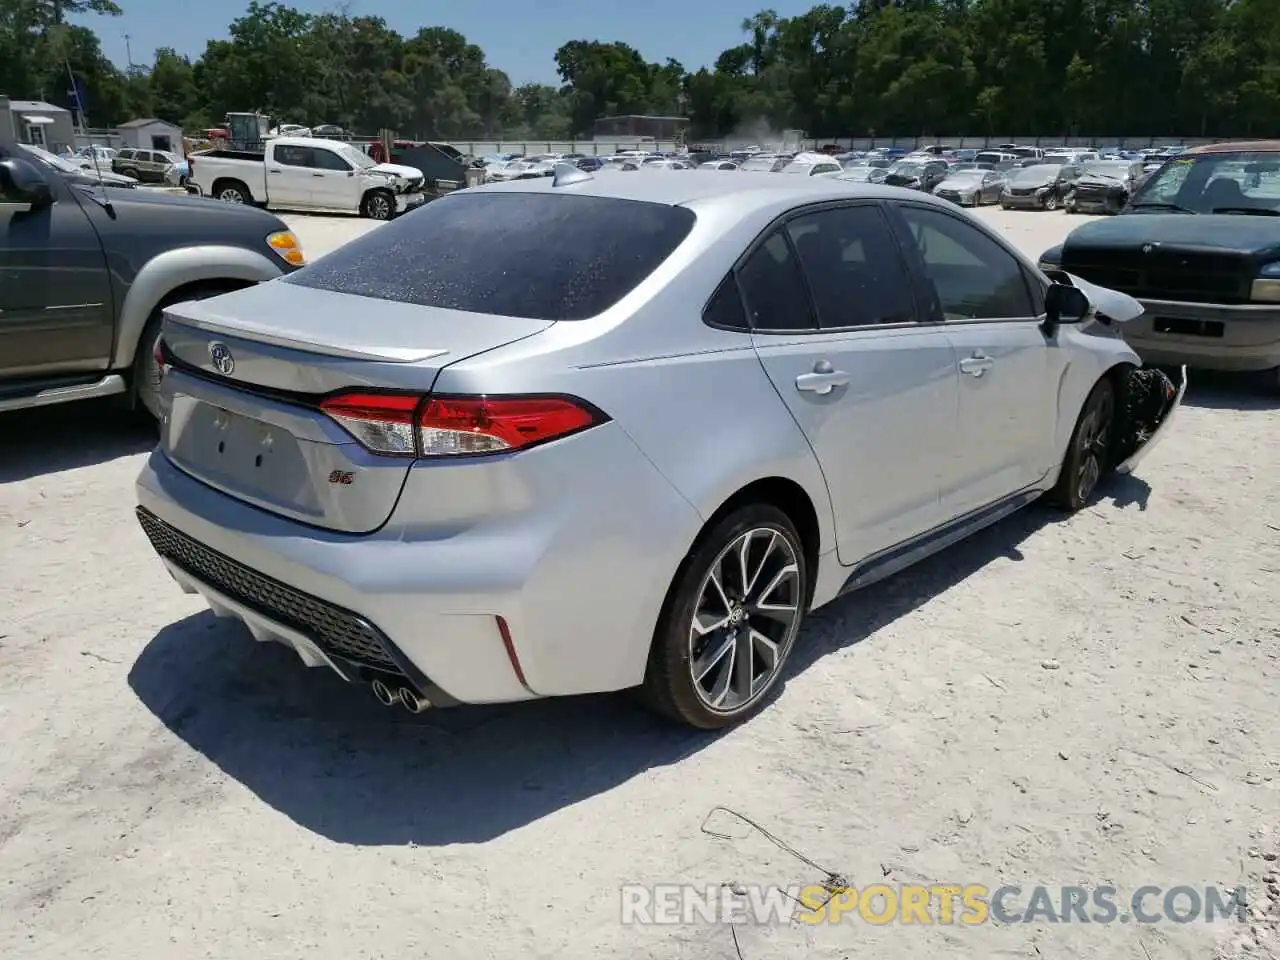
(145, 379)
(378, 205)
(708, 614)
(1050, 202)
(232, 191)
(1090, 454)
(1005, 206)
(129, 172)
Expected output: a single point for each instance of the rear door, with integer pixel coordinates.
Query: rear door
(835, 325)
(56, 314)
(1007, 368)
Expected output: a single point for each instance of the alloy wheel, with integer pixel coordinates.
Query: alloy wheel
(379, 207)
(1095, 442)
(230, 195)
(745, 619)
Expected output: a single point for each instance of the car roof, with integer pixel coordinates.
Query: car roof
(1236, 146)
(749, 189)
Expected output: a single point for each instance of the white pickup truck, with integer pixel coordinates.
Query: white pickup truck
(305, 173)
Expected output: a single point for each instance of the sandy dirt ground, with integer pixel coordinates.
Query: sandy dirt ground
(1083, 701)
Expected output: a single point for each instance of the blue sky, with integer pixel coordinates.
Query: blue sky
(518, 36)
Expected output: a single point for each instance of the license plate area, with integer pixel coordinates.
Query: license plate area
(241, 455)
(1184, 327)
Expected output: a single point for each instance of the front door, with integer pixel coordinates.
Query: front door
(332, 186)
(835, 325)
(56, 313)
(1007, 367)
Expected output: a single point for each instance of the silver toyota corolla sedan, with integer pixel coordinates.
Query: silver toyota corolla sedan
(589, 433)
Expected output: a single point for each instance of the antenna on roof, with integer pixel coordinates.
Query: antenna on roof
(566, 174)
(84, 122)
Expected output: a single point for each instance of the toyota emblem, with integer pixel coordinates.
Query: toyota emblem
(1148, 247)
(223, 362)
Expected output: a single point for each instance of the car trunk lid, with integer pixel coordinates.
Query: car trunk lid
(248, 371)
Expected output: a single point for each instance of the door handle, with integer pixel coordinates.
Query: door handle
(317, 174)
(273, 171)
(823, 380)
(976, 365)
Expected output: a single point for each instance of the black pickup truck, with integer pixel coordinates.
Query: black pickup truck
(1198, 245)
(86, 269)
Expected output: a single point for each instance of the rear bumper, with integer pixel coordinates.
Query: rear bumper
(1249, 341)
(578, 575)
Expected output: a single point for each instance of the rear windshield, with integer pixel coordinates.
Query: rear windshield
(541, 256)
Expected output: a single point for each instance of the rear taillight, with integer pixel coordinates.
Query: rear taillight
(409, 426)
(383, 423)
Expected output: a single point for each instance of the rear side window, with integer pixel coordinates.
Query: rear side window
(775, 290)
(724, 309)
(541, 256)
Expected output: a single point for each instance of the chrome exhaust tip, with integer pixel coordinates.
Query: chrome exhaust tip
(412, 702)
(386, 696)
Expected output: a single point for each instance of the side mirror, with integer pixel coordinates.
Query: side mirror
(1064, 304)
(22, 185)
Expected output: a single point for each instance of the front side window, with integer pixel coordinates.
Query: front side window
(974, 277)
(774, 288)
(541, 256)
(853, 267)
(328, 160)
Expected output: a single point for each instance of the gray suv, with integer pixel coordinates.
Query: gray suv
(86, 269)
(149, 166)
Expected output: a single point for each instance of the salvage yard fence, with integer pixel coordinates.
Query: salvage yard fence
(111, 138)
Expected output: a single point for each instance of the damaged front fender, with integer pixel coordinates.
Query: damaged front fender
(1150, 399)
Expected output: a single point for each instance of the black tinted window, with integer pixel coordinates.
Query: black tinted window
(724, 309)
(774, 287)
(546, 256)
(973, 275)
(853, 266)
(293, 156)
(328, 160)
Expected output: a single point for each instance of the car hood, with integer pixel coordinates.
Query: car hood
(960, 183)
(897, 179)
(397, 170)
(183, 205)
(105, 177)
(1101, 179)
(1211, 233)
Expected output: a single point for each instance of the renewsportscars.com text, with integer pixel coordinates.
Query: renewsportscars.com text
(942, 904)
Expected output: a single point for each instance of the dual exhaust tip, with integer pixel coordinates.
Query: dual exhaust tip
(404, 696)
